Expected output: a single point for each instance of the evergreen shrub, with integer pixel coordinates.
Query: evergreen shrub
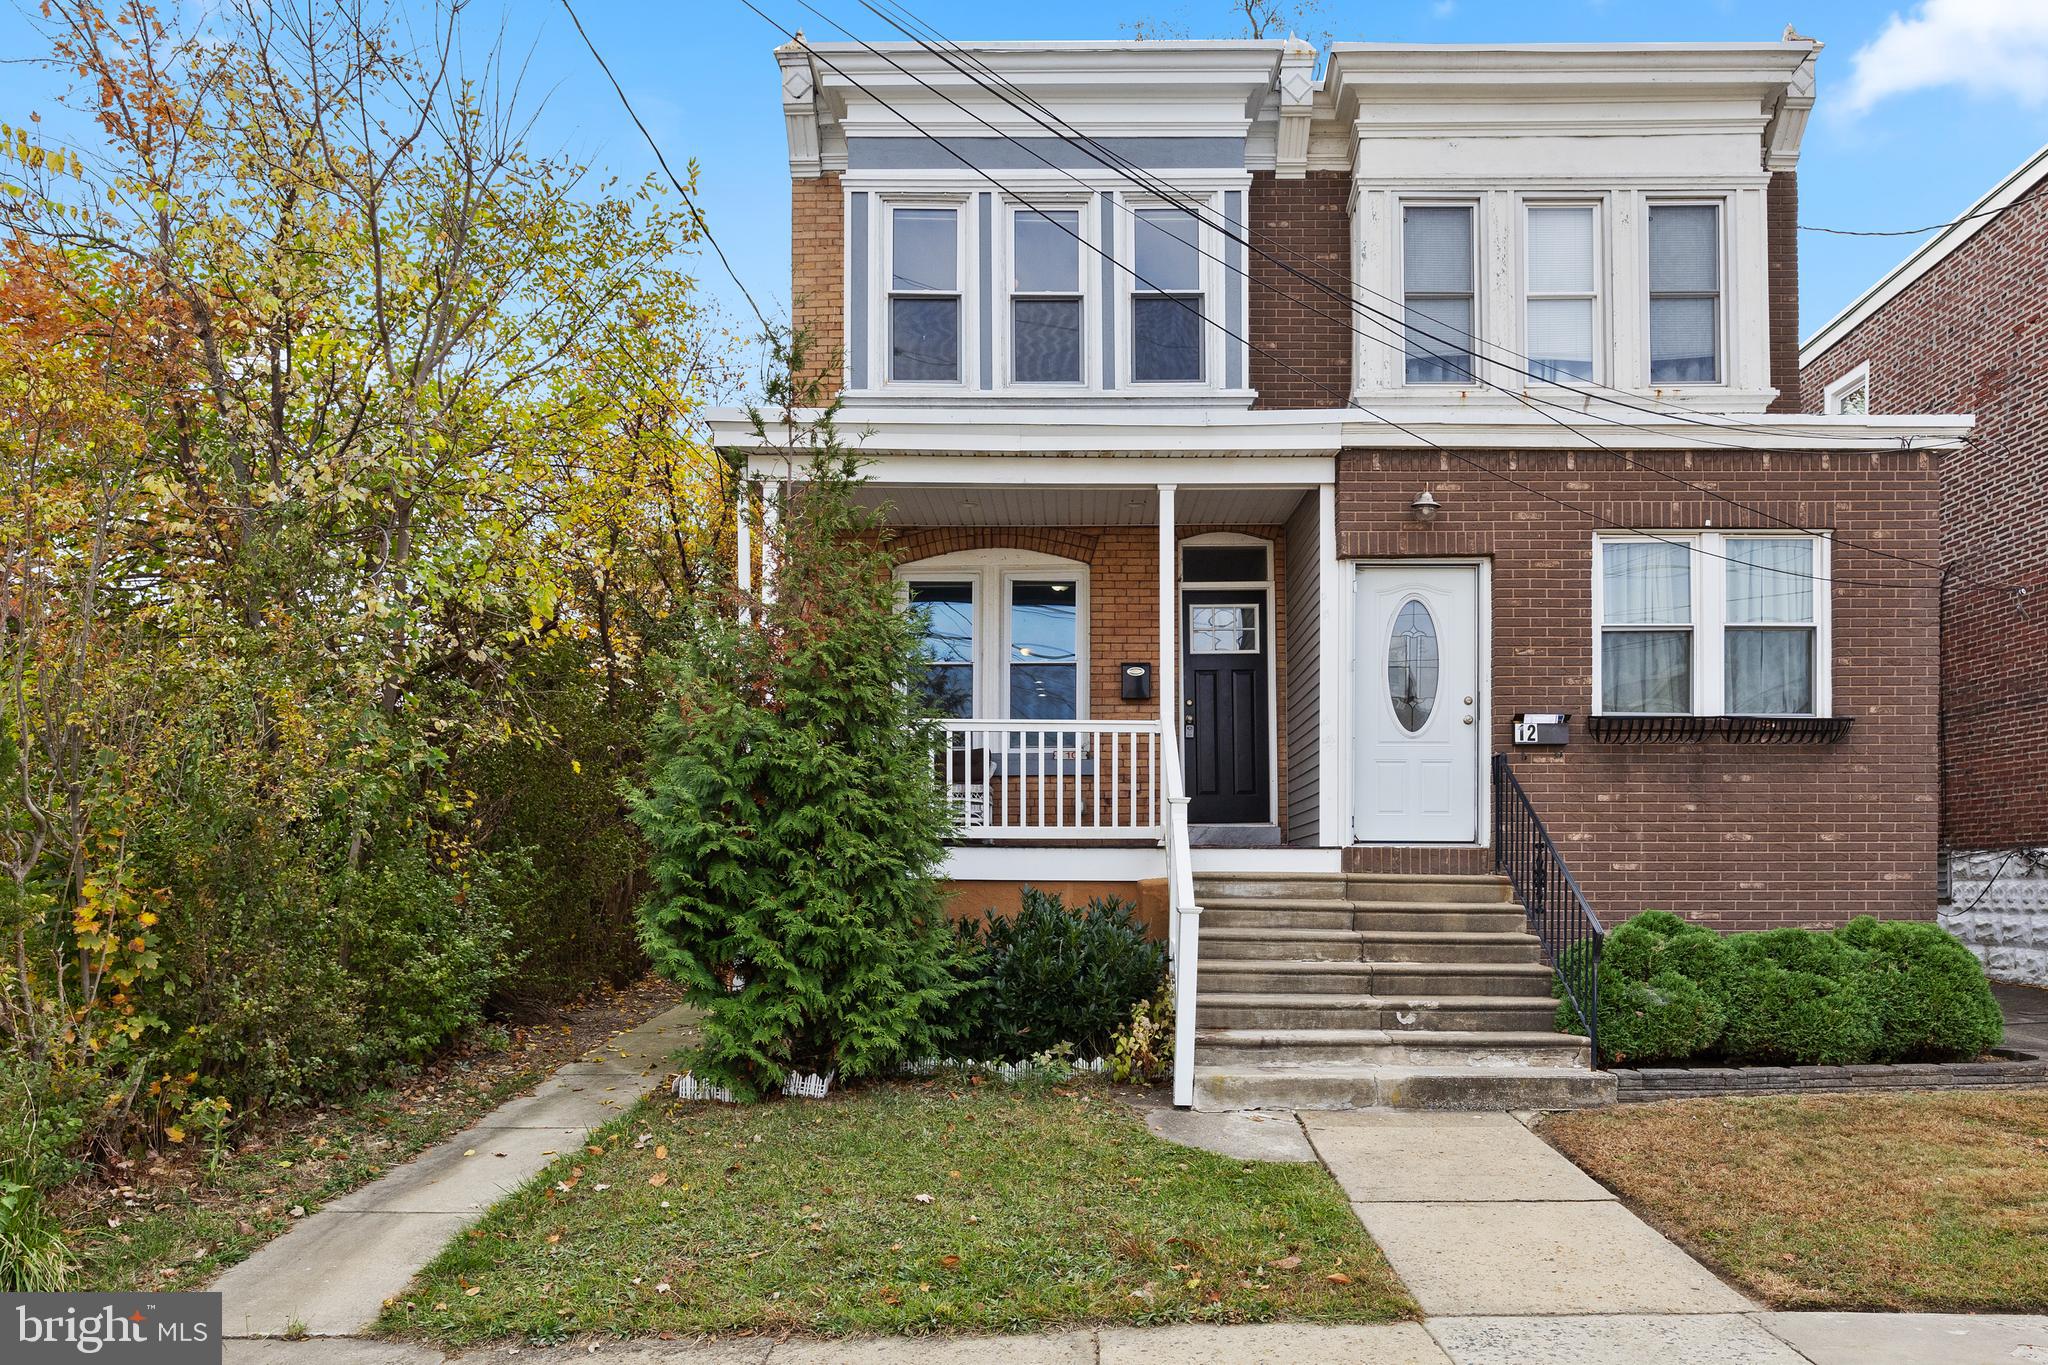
(1050, 975)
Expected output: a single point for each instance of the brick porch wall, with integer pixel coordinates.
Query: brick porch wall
(1123, 603)
(1736, 835)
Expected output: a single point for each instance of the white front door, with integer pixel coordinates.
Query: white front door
(1418, 706)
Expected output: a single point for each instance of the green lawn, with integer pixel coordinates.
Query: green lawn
(1915, 1202)
(900, 1209)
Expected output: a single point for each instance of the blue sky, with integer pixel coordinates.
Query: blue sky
(1923, 106)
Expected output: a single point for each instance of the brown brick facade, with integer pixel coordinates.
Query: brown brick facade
(1782, 232)
(1971, 335)
(817, 232)
(1736, 835)
(1301, 360)
(1123, 602)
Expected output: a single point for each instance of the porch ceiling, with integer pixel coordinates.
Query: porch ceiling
(957, 505)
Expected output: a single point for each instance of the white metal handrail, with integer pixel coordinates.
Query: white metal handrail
(1184, 928)
(1070, 779)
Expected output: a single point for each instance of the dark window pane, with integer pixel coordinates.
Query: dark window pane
(1166, 338)
(1412, 666)
(950, 690)
(1223, 564)
(1042, 691)
(1045, 341)
(924, 339)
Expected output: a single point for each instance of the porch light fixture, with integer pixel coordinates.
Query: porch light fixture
(1425, 507)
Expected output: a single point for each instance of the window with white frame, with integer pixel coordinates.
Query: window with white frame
(1685, 293)
(1005, 633)
(924, 294)
(1438, 292)
(1713, 623)
(1045, 295)
(1849, 396)
(1167, 302)
(1562, 293)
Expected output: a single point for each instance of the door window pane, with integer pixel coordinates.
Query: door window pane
(1223, 564)
(1223, 630)
(1044, 665)
(946, 618)
(1412, 656)
(1437, 284)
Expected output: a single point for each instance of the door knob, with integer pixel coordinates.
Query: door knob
(1468, 701)
(1468, 720)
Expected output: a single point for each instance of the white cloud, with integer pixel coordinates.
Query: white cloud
(1988, 47)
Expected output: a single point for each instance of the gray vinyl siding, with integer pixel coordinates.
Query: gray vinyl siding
(1304, 672)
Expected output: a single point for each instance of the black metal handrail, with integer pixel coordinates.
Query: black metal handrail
(1559, 914)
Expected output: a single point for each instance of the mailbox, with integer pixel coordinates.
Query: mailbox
(1542, 728)
(1137, 682)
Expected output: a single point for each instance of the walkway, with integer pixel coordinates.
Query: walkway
(2026, 1016)
(330, 1275)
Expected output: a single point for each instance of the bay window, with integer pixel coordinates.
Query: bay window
(924, 294)
(1166, 297)
(1437, 292)
(1685, 294)
(1713, 623)
(1562, 295)
(1045, 296)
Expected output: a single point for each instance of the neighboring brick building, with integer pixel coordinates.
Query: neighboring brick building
(1962, 325)
(1273, 454)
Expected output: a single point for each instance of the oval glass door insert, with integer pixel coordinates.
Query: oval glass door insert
(1412, 666)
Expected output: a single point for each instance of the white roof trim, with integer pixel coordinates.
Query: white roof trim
(1931, 253)
(1066, 432)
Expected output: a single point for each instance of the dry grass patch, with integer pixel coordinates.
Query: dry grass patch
(1919, 1202)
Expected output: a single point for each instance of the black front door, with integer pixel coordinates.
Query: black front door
(1226, 633)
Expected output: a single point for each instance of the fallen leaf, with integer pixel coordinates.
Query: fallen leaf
(470, 1152)
(661, 1153)
(662, 1288)
(554, 1237)
(922, 1198)
(298, 1210)
(1286, 1263)
(949, 1261)
(594, 1150)
(1338, 1277)
(658, 1179)
(472, 1291)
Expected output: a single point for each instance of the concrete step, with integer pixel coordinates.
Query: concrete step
(1257, 1048)
(1354, 945)
(1399, 886)
(1463, 1013)
(1211, 887)
(1363, 1086)
(1367, 978)
(1229, 914)
(1439, 917)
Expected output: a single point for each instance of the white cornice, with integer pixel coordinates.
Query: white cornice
(1931, 253)
(1064, 432)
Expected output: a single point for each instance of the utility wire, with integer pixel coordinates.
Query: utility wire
(1347, 401)
(2026, 198)
(703, 228)
(1193, 207)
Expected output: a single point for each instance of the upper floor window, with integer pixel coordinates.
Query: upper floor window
(1711, 624)
(1045, 296)
(924, 294)
(1166, 297)
(1685, 294)
(1437, 275)
(1849, 396)
(1562, 295)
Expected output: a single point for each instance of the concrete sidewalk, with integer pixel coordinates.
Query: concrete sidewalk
(330, 1275)
(1692, 1339)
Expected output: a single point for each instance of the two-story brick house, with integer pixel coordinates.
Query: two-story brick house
(1959, 324)
(1455, 385)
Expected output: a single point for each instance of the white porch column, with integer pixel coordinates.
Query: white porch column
(1169, 621)
(771, 511)
(1333, 746)
(743, 532)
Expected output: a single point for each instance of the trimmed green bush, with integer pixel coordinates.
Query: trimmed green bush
(1050, 975)
(1870, 991)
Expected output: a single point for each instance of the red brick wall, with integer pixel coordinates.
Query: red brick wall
(1971, 335)
(1782, 234)
(1307, 225)
(817, 248)
(1736, 835)
(1123, 602)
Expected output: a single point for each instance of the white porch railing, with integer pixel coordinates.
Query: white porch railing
(1069, 779)
(1184, 929)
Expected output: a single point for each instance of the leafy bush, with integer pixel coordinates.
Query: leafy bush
(1049, 975)
(795, 822)
(1142, 1051)
(1870, 991)
(37, 1135)
(1931, 994)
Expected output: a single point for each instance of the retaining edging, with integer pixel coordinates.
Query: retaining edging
(1641, 1085)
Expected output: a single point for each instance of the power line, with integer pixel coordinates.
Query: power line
(1194, 208)
(703, 228)
(2028, 197)
(1347, 401)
